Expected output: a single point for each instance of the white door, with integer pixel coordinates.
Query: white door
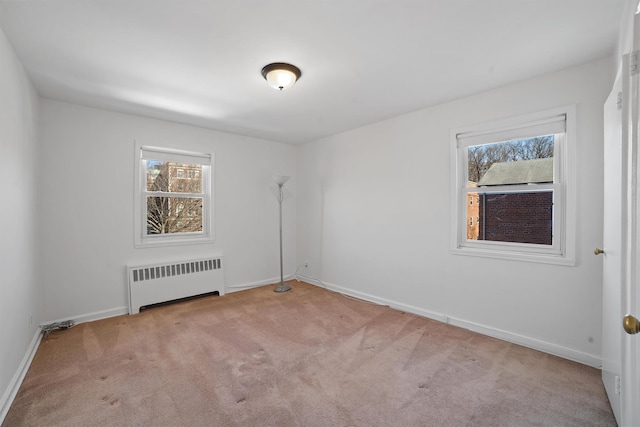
(621, 299)
(612, 242)
(630, 402)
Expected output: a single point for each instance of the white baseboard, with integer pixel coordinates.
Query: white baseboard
(89, 317)
(112, 312)
(311, 280)
(245, 286)
(251, 285)
(12, 390)
(383, 301)
(543, 346)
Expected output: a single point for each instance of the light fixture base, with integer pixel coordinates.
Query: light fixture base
(282, 288)
(281, 75)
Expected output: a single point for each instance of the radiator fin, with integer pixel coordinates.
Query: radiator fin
(170, 270)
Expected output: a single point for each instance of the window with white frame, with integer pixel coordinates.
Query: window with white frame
(172, 207)
(520, 173)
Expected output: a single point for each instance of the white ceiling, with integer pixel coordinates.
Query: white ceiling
(362, 61)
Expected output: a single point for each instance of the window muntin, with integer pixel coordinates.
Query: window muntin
(174, 197)
(532, 178)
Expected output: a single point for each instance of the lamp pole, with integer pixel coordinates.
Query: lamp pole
(280, 180)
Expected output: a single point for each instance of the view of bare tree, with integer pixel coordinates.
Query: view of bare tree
(174, 209)
(481, 157)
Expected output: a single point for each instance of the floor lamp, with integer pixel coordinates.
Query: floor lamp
(280, 180)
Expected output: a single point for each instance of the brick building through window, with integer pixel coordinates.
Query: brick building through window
(521, 217)
(473, 214)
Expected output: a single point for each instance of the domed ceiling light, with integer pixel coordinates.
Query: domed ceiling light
(281, 75)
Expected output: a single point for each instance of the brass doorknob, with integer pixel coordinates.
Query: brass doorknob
(598, 251)
(631, 324)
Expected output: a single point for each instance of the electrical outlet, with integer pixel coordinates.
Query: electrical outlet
(618, 385)
(306, 264)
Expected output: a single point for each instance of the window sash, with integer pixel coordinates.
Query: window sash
(556, 218)
(144, 194)
(555, 248)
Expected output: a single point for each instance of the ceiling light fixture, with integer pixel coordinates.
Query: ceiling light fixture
(281, 75)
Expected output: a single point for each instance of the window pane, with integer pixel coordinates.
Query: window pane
(525, 161)
(173, 177)
(166, 215)
(520, 217)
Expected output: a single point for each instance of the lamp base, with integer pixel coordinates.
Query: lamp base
(282, 288)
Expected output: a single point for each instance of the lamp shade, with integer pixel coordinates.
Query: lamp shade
(280, 75)
(280, 179)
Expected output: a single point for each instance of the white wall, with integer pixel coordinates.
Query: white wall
(374, 220)
(19, 285)
(87, 197)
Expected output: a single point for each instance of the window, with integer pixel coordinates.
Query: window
(172, 207)
(520, 173)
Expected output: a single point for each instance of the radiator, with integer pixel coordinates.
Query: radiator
(168, 281)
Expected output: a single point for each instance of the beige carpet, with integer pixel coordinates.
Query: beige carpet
(308, 357)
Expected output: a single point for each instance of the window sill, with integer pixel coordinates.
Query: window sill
(171, 241)
(515, 256)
